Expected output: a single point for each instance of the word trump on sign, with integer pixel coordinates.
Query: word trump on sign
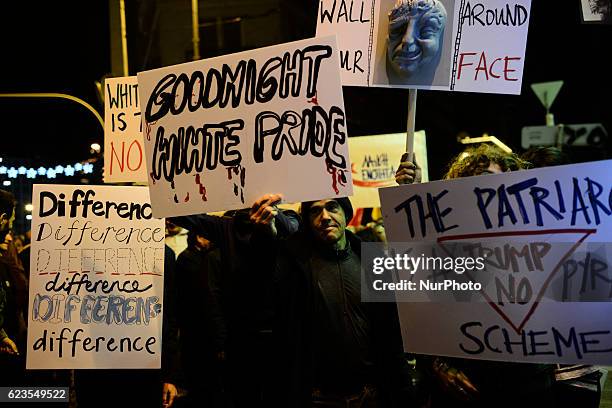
(570, 206)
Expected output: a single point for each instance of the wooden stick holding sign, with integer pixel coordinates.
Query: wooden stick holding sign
(412, 97)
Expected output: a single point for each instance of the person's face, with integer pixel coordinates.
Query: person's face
(171, 229)
(379, 231)
(493, 168)
(202, 242)
(415, 34)
(6, 222)
(327, 220)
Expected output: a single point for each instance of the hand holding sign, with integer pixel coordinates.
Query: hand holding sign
(454, 381)
(8, 346)
(169, 392)
(408, 172)
(264, 211)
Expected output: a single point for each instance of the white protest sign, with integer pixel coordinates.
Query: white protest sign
(221, 132)
(351, 22)
(564, 204)
(452, 45)
(490, 40)
(96, 279)
(374, 160)
(123, 145)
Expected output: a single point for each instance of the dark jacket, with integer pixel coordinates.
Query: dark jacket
(294, 295)
(247, 260)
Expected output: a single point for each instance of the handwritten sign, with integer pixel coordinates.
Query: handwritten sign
(452, 45)
(564, 204)
(96, 279)
(351, 21)
(123, 145)
(221, 132)
(374, 161)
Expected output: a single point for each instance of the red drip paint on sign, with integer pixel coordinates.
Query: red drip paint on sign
(314, 100)
(337, 175)
(148, 129)
(202, 189)
(187, 197)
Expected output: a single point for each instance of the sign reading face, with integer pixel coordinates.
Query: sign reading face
(416, 30)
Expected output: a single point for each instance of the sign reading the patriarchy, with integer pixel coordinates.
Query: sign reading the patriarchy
(96, 279)
(454, 45)
(123, 146)
(374, 160)
(221, 132)
(545, 233)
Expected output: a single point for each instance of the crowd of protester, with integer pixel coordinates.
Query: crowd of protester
(279, 320)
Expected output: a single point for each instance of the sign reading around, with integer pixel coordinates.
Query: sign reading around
(452, 45)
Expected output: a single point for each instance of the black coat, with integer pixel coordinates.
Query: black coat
(294, 297)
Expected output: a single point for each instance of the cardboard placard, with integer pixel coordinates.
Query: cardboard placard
(221, 132)
(96, 279)
(451, 45)
(123, 144)
(374, 160)
(564, 204)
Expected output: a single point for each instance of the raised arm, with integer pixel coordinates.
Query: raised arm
(210, 227)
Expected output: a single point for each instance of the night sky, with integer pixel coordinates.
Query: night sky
(47, 48)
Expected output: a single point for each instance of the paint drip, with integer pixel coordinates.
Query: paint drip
(241, 172)
(202, 189)
(314, 100)
(338, 176)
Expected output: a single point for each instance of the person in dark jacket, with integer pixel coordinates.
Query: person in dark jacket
(472, 383)
(139, 387)
(247, 244)
(332, 348)
(10, 273)
(201, 320)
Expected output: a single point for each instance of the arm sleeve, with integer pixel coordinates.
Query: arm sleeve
(209, 226)
(287, 223)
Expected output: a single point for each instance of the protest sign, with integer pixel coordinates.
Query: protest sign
(351, 21)
(569, 205)
(96, 279)
(221, 132)
(123, 146)
(374, 160)
(452, 45)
